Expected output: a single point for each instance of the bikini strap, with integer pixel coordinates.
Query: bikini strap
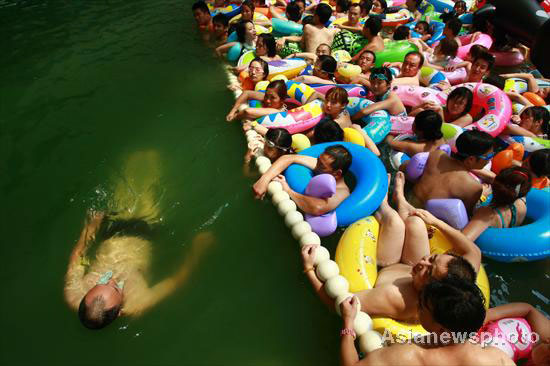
(502, 222)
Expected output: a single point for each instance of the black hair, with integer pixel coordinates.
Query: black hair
(265, 66)
(240, 28)
(460, 268)
(542, 114)
(458, 306)
(343, 5)
(454, 25)
(495, 80)
(328, 64)
(342, 157)
(428, 123)
(270, 44)
(448, 47)
(419, 54)
(463, 93)
(300, 1)
(425, 24)
(220, 19)
(473, 143)
(96, 316)
(323, 12)
(509, 185)
(539, 162)
(250, 4)
(486, 56)
(382, 70)
(200, 5)
(476, 49)
(366, 6)
(327, 131)
(384, 5)
(279, 86)
(293, 12)
(373, 24)
(402, 32)
(280, 137)
(307, 20)
(461, 2)
(372, 53)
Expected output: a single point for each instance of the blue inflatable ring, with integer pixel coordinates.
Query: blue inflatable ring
(370, 175)
(523, 243)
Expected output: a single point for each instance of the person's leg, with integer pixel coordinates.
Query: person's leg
(404, 208)
(417, 244)
(391, 235)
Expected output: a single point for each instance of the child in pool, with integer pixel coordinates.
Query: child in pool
(538, 164)
(277, 142)
(323, 72)
(457, 110)
(452, 29)
(423, 28)
(246, 36)
(443, 55)
(272, 100)
(427, 128)
(342, 8)
(379, 6)
(265, 49)
(412, 5)
(258, 70)
(220, 26)
(508, 206)
(474, 52)
(533, 122)
(380, 80)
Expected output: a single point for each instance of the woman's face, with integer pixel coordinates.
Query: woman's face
(460, 9)
(379, 87)
(333, 108)
(376, 7)
(529, 123)
(272, 99)
(420, 28)
(366, 61)
(246, 13)
(456, 106)
(250, 31)
(261, 49)
(256, 71)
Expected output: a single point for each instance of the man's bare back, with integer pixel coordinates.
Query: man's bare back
(315, 35)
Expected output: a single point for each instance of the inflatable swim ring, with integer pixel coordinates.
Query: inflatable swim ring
(483, 40)
(286, 27)
(510, 335)
(296, 120)
(229, 11)
(394, 51)
(290, 68)
(377, 124)
(508, 58)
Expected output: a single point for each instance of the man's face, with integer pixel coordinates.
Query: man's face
(410, 66)
(324, 165)
(219, 29)
(109, 292)
(202, 18)
(366, 61)
(479, 69)
(354, 13)
(428, 268)
(322, 50)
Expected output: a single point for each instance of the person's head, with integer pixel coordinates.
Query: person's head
(327, 131)
(452, 306)
(335, 160)
(301, 4)
(412, 64)
(324, 67)
(220, 24)
(474, 149)
(265, 45)
(422, 27)
(101, 305)
(427, 125)
(452, 28)
(447, 47)
(278, 142)
(460, 7)
(536, 120)
(247, 10)
(475, 51)
(379, 6)
(293, 12)
(342, 6)
(412, 4)
(372, 27)
(402, 32)
(323, 50)
(442, 266)
(275, 94)
(354, 13)
(380, 80)
(336, 100)
(323, 12)
(201, 13)
(481, 66)
(509, 185)
(540, 354)
(245, 31)
(366, 61)
(539, 163)
(543, 93)
(459, 102)
(366, 7)
(258, 70)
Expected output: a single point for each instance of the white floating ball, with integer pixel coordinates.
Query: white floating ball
(321, 255)
(300, 229)
(274, 187)
(250, 133)
(279, 197)
(362, 323)
(242, 107)
(341, 298)
(370, 341)
(293, 217)
(286, 206)
(327, 269)
(310, 239)
(261, 160)
(336, 286)
(263, 168)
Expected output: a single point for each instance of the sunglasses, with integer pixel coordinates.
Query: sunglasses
(487, 157)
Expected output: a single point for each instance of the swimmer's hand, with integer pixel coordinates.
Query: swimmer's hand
(93, 222)
(231, 115)
(427, 217)
(515, 119)
(308, 255)
(450, 68)
(348, 308)
(281, 179)
(259, 188)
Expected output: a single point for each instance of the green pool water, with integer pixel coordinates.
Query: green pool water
(84, 86)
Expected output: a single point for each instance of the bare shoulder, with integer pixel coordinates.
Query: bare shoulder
(397, 354)
(491, 356)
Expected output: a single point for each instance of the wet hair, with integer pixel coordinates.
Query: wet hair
(221, 19)
(280, 137)
(337, 95)
(366, 6)
(509, 185)
(419, 54)
(265, 66)
(325, 45)
(343, 5)
(354, 5)
(374, 25)
(342, 157)
(270, 44)
(95, 316)
(328, 64)
(279, 86)
(240, 28)
(327, 131)
(454, 25)
(249, 4)
(200, 5)
(448, 47)
(460, 268)
(473, 143)
(382, 70)
(540, 114)
(293, 12)
(461, 3)
(539, 161)
(458, 306)
(462, 93)
(402, 32)
(476, 50)
(307, 20)
(428, 123)
(372, 53)
(425, 25)
(384, 5)
(300, 1)
(485, 56)
(323, 12)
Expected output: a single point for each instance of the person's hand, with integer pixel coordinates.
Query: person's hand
(339, 26)
(386, 64)
(247, 126)
(348, 308)
(281, 179)
(280, 43)
(427, 217)
(390, 138)
(231, 115)
(431, 106)
(248, 156)
(93, 222)
(260, 188)
(308, 255)
(515, 119)
(450, 68)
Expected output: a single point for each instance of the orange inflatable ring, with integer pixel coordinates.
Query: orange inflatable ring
(534, 98)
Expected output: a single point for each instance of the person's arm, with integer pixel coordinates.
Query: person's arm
(253, 113)
(485, 175)
(397, 64)
(408, 147)
(308, 255)
(282, 41)
(310, 79)
(513, 129)
(385, 104)
(371, 46)
(275, 13)
(481, 220)
(406, 80)
(348, 352)
(308, 56)
(461, 244)
(224, 48)
(355, 29)
(264, 22)
(516, 97)
(369, 144)
(531, 81)
(463, 121)
(243, 98)
(278, 167)
(538, 322)
(315, 95)
(450, 68)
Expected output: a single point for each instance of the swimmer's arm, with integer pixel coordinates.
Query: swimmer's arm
(275, 13)
(317, 206)
(308, 56)
(371, 46)
(385, 301)
(265, 23)
(360, 79)
(513, 129)
(310, 79)
(314, 96)
(319, 288)
(463, 121)
(482, 219)
(531, 81)
(278, 167)
(286, 39)
(485, 175)
(538, 322)
(406, 80)
(369, 144)
(408, 147)
(516, 97)
(254, 113)
(385, 104)
(243, 98)
(224, 48)
(356, 29)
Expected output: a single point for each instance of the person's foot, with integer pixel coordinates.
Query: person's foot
(404, 208)
(384, 206)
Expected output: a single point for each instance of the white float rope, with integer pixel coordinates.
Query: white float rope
(327, 270)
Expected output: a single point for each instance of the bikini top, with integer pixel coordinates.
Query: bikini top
(514, 212)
